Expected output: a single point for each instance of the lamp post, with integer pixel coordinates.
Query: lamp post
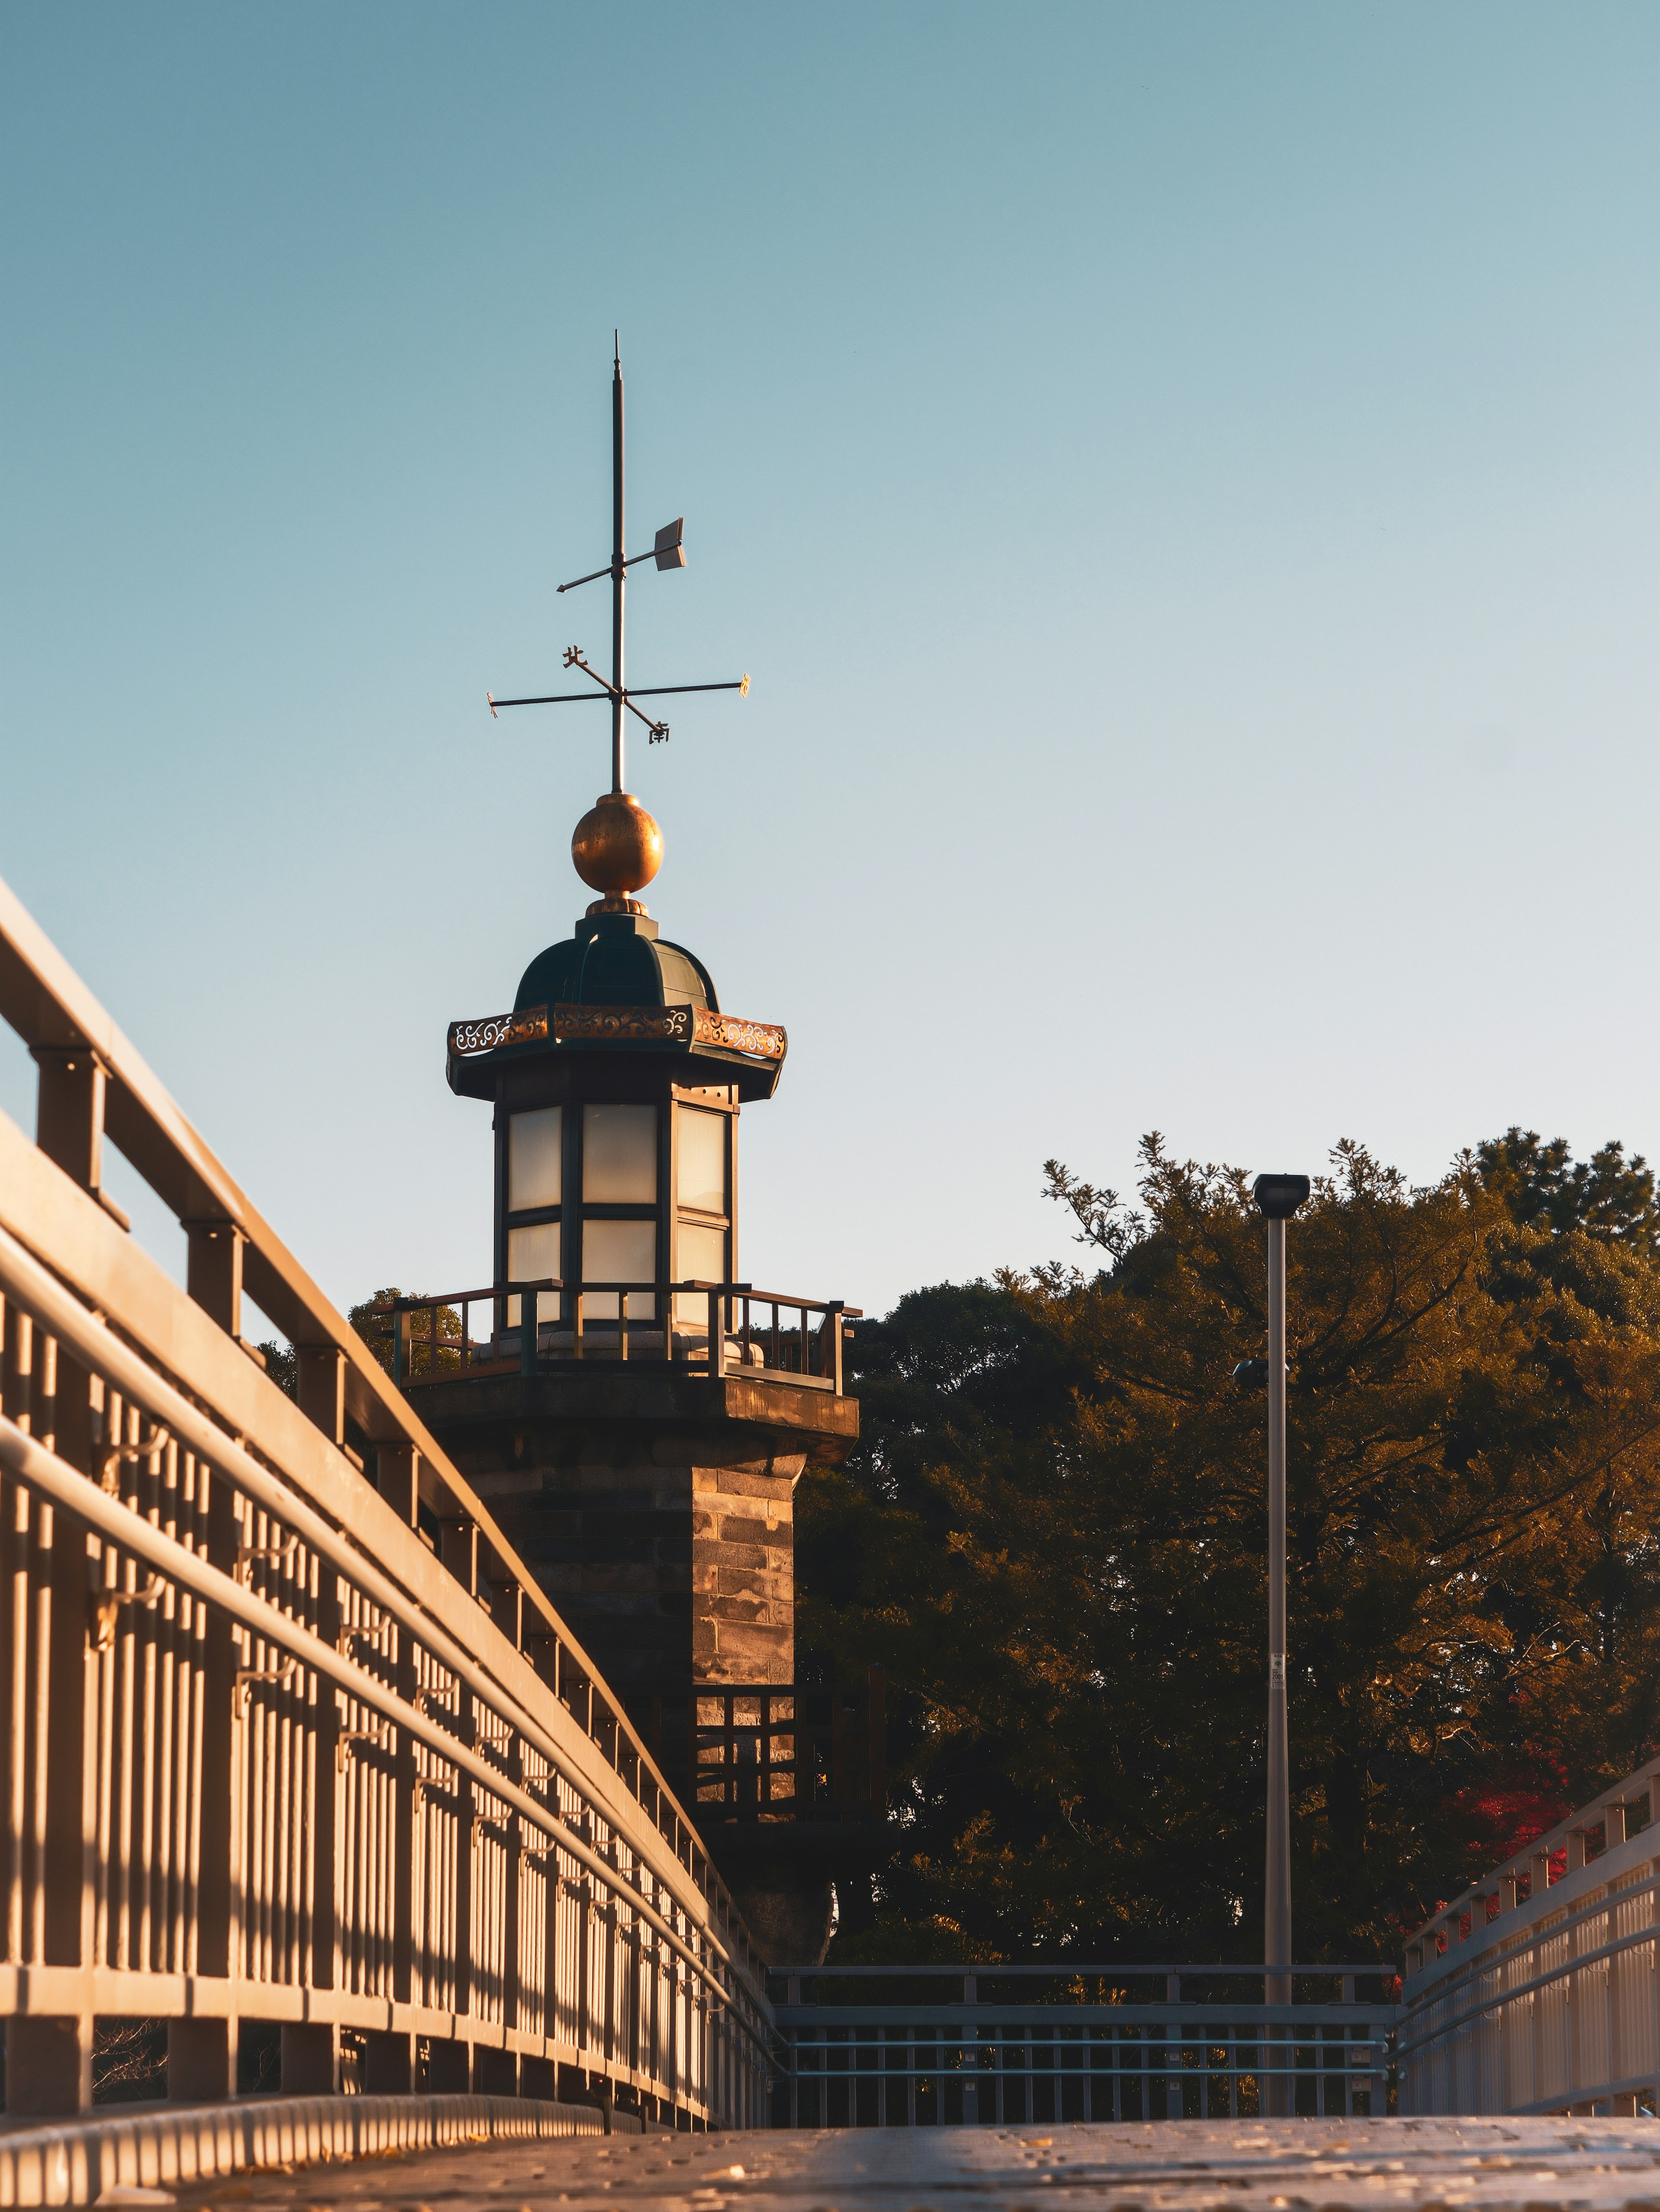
(1278, 1197)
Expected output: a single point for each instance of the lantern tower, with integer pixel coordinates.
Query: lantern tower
(637, 1412)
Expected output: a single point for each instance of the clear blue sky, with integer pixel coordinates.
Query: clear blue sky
(1183, 479)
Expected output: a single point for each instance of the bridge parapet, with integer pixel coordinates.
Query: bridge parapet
(280, 1772)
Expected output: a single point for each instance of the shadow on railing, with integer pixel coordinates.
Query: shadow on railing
(715, 1329)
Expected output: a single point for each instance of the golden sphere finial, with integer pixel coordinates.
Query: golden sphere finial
(616, 848)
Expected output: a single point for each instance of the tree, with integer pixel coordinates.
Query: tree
(1054, 1534)
(428, 1353)
(281, 1365)
(374, 1325)
(1606, 1196)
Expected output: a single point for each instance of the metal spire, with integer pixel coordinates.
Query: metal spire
(619, 567)
(669, 551)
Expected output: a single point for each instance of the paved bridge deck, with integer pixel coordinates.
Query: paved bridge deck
(1528, 2165)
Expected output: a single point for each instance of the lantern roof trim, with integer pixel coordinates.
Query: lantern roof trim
(615, 986)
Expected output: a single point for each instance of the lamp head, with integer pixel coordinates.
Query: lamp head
(1278, 1196)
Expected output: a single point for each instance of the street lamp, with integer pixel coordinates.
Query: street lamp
(1278, 1197)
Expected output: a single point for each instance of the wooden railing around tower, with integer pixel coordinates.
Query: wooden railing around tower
(281, 1769)
(716, 1329)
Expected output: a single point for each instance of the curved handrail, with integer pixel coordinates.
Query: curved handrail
(70, 1321)
(52, 1009)
(67, 1486)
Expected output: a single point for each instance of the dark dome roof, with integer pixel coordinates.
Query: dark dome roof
(616, 960)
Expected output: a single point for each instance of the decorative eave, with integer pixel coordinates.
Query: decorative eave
(755, 1049)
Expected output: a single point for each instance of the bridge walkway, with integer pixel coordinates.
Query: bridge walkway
(1515, 2165)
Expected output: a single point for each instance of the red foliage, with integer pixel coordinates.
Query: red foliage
(1494, 1820)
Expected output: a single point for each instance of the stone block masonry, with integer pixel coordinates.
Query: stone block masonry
(670, 1569)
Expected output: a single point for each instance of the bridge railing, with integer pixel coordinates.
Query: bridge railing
(983, 2057)
(1537, 1988)
(284, 1769)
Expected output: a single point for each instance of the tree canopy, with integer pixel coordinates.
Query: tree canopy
(1054, 1532)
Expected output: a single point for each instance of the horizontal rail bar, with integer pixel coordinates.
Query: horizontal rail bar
(734, 1291)
(465, 1298)
(1008, 2031)
(1255, 2068)
(785, 1298)
(1186, 2019)
(990, 1974)
(1156, 2072)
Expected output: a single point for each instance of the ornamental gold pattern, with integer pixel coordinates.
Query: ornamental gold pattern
(762, 1040)
(571, 1024)
(529, 1026)
(623, 1024)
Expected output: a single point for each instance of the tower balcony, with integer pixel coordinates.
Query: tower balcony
(729, 1352)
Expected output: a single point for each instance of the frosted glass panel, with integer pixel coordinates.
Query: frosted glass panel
(702, 1259)
(620, 1157)
(620, 1252)
(534, 1158)
(700, 1168)
(533, 1254)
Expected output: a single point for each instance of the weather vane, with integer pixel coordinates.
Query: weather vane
(669, 552)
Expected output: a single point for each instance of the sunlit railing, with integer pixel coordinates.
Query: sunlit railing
(715, 1329)
(281, 1769)
(1537, 1988)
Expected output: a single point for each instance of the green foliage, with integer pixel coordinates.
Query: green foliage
(281, 1365)
(1606, 1195)
(1054, 1533)
(375, 1327)
(428, 1354)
